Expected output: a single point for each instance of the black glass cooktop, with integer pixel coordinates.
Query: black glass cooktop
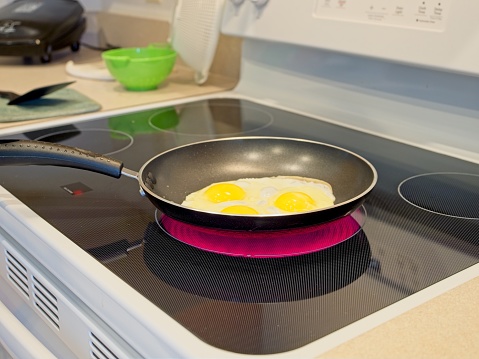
(420, 226)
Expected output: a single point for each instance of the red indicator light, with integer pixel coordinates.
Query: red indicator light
(76, 189)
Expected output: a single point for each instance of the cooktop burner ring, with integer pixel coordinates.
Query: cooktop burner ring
(451, 194)
(265, 244)
(216, 120)
(114, 142)
(235, 280)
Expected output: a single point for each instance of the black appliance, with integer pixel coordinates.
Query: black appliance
(31, 28)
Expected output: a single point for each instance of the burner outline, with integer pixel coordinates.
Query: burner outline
(430, 210)
(237, 133)
(320, 244)
(40, 138)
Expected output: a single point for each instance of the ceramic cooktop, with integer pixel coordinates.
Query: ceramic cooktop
(418, 226)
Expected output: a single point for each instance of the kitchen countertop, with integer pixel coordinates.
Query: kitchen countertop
(21, 77)
(444, 327)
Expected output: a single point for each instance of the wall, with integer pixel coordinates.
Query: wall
(148, 9)
(156, 9)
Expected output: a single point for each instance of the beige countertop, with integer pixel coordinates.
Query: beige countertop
(446, 326)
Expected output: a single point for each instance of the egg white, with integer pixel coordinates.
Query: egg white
(261, 194)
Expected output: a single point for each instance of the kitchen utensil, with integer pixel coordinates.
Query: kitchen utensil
(167, 178)
(34, 94)
(140, 68)
(195, 31)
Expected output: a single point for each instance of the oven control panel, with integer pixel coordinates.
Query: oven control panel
(438, 34)
(415, 14)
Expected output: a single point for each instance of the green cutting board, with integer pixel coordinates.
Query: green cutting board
(63, 102)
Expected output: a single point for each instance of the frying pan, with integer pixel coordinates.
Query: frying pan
(167, 178)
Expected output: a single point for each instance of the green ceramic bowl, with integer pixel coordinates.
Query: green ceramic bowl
(140, 68)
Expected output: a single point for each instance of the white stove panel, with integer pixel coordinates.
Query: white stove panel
(428, 33)
(425, 15)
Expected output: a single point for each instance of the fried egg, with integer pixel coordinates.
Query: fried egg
(259, 196)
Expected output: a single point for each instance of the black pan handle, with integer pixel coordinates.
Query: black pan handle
(26, 152)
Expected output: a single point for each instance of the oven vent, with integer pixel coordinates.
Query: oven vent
(99, 350)
(17, 273)
(45, 302)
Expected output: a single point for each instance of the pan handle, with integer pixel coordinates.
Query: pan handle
(26, 152)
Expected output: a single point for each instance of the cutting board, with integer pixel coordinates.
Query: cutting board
(64, 102)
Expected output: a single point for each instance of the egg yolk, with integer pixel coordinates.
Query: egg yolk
(223, 192)
(294, 202)
(239, 210)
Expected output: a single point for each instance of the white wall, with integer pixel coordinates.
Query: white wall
(150, 9)
(91, 5)
(5, 2)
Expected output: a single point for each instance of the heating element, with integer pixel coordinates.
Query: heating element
(107, 275)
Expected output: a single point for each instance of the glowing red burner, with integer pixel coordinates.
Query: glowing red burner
(266, 244)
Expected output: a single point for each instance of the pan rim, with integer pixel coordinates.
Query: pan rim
(272, 215)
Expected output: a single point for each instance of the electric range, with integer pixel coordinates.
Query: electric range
(418, 226)
(90, 271)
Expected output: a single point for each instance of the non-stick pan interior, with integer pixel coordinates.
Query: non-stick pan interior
(184, 170)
